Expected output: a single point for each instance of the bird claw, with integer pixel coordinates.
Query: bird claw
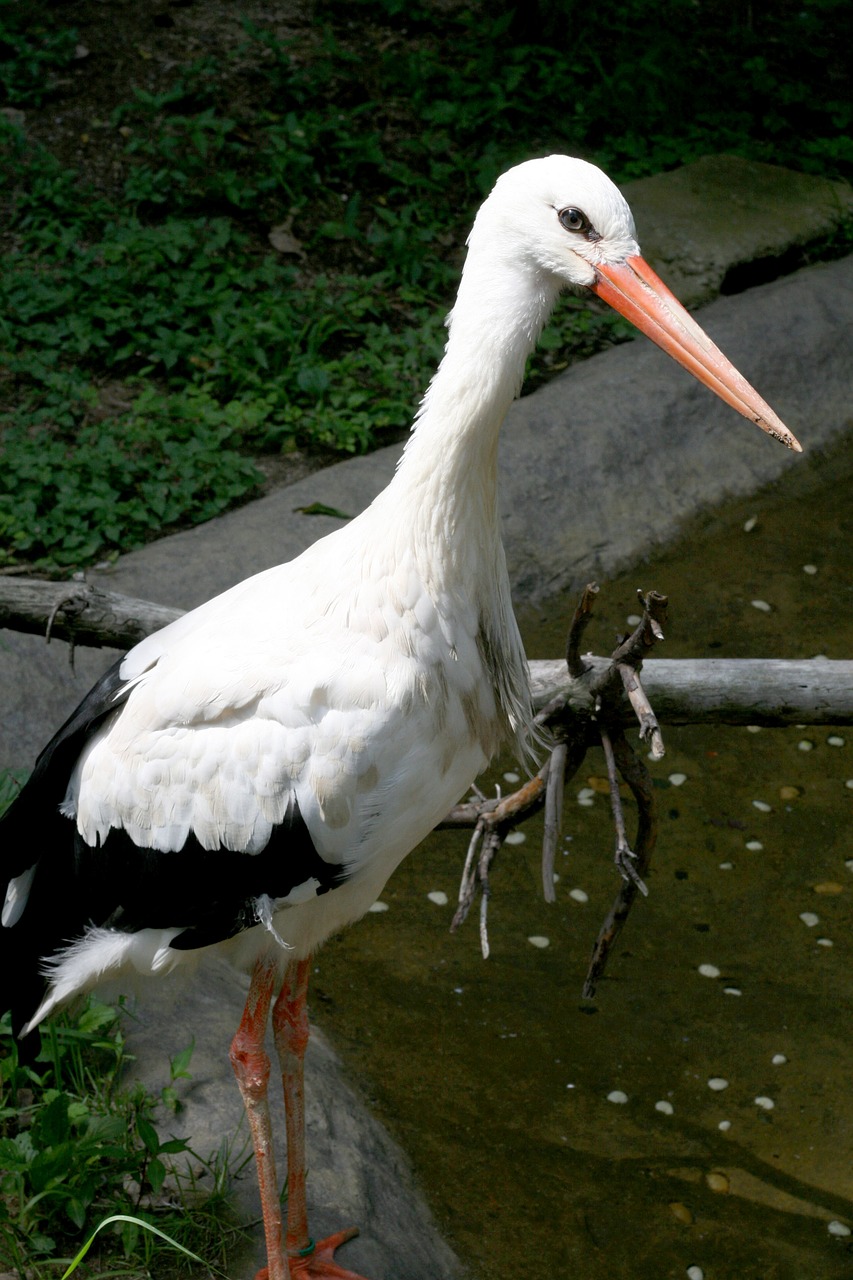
(625, 863)
(320, 1264)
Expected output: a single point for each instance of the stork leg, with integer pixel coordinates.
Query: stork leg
(252, 1068)
(308, 1261)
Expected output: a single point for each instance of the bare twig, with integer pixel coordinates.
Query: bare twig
(553, 817)
(494, 820)
(589, 711)
(625, 857)
(637, 777)
(579, 623)
(649, 727)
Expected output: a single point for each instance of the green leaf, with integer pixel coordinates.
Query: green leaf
(148, 1134)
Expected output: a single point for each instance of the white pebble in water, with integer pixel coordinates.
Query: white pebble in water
(762, 605)
(836, 1228)
(849, 784)
(835, 740)
(810, 569)
(755, 846)
(665, 1108)
(537, 940)
(750, 524)
(678, 779)
(515, 837)
(616, 1095)
(696, 1273)
(512, 777)
(809, 919)
(579, 895)
(778, 1059)
(762, 806)
(805, 745)
(718, 1084)
(709, 971)
(379, 906)
(438, 896)
(825, 942)
(766, 1104)
(633, 619)
(727, 866)
(724, 1126)
(753, 728)
(732, 991)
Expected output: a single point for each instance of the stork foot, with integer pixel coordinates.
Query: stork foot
(320, 1263)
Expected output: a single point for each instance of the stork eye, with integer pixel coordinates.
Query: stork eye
(574, 220)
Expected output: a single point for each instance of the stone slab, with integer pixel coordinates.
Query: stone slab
(698, 224)
(357, 1175)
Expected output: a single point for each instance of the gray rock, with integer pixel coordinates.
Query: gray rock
(357, 1176)
(698, 223)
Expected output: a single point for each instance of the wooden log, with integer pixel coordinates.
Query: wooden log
(80, 613)
(770, 691)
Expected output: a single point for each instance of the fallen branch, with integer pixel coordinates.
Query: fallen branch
(79, 613)
(768, 691)
(586, 713)
(684, 691)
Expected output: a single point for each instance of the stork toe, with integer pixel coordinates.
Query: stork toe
(320, 1263)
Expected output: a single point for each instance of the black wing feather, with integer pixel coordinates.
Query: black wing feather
(210, 895)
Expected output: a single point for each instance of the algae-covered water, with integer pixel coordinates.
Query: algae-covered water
(495, 1074)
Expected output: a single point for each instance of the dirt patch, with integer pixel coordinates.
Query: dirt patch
(122, 47)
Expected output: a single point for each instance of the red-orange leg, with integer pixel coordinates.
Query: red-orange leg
(290, 1028)
(252, 1068)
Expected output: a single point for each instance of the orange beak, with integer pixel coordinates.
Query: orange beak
(637, 293)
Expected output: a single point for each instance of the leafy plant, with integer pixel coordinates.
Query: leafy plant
(153, 342)
(30, 54)
(76, 1147)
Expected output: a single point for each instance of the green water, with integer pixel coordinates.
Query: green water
(494, 1075)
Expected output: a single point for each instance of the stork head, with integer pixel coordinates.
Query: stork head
(566, 221)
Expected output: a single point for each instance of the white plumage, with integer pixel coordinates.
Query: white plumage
(331, 710)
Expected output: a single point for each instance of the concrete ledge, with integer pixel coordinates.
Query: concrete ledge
(698, 224)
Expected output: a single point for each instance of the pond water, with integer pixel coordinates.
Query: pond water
(495, 1075)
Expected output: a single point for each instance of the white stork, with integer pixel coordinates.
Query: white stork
(245, 781)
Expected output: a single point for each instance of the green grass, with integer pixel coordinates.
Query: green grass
(152, 341)
(77, 1146)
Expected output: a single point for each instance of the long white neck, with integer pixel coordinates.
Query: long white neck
(446, 482)
(443, 501)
